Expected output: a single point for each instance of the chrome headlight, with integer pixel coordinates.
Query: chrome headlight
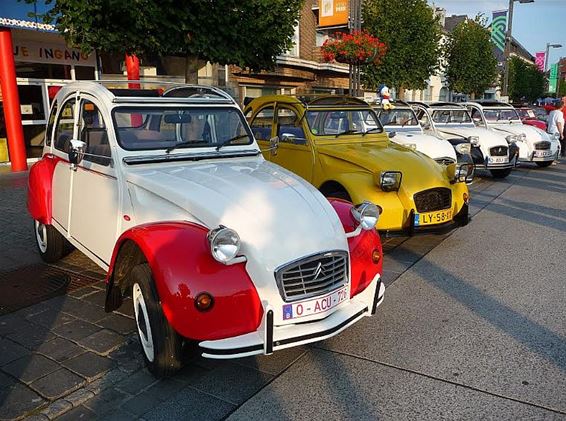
(522, 137)
(224, 244)
(511, 138)
(390, 180)
(463, 148)
(367, 214)
(412, 146)
(463, 171)
(474, 140)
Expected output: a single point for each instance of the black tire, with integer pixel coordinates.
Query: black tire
(544, 164)
(162, 347)
(51, 244)
(340, 194)
(500, 173)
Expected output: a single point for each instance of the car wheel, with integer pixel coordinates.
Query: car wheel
(544, 164)
(161, 345)
(500, 173)
(51, 244)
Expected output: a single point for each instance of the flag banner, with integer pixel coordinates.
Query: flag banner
(539, 61)
(498, 32)
(553, 80)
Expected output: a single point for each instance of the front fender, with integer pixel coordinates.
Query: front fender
(40, 183)
(363, 265)
(182, 267)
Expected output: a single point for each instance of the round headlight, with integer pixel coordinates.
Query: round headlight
(474, 140)
(367, 214)
(522, 137)
(463, 148)
(224, 244)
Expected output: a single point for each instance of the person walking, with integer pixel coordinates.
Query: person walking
(562, 143)
(556, 126)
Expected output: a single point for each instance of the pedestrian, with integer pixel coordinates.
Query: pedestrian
(562, 149)
(556, 126)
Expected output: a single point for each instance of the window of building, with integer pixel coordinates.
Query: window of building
(84, 73)
(31, 102)
(294, 50)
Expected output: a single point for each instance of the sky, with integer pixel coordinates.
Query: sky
(534, 24)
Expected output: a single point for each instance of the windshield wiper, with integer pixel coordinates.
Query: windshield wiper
(348, 132)
(228, 141)
(373, 129)
(185, 142)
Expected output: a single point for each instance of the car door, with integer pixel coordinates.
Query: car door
(95, 194)
(65, 130)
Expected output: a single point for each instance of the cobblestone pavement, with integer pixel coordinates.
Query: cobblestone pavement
(66, 358)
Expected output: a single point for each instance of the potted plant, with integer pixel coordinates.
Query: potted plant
(358, 47)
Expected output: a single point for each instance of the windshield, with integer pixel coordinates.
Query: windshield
(398, 117)
(500, 114)
(337, 122)
(451, 116)
(171, 127)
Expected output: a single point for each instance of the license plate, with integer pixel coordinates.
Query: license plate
(499, 159)
(431, 218)
(542, 154)
(315, 306)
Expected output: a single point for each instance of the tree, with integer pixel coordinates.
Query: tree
(412, 34)
(471, 63)
(249, 33)
(526, 81)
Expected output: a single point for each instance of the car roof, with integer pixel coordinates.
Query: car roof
(125, 91)
(313, 101)
(490, 103)
(437, 104)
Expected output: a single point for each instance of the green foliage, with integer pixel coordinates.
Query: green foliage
(471, 63)
(412, 33)
(247, 33)
(526, 81)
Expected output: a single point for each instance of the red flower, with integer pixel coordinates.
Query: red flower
(359, 47)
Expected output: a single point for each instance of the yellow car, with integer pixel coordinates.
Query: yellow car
(338, 145)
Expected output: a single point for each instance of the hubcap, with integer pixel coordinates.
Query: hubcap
(142, 322)
(41, 236)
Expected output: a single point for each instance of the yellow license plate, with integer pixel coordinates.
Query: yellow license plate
(431, 218)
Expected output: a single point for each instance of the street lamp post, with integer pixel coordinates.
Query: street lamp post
(508, 40)
(548, 47)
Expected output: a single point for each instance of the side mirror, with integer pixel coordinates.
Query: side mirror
(77, 151)
(274, 145)
(391, 135)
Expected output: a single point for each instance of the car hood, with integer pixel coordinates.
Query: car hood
(376, 157)
(488, 138)
(533, 134)
(278, 216)
(429, 145)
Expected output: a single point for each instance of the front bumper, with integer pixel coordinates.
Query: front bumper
(460, 219)
(534, 158)
(269, 338)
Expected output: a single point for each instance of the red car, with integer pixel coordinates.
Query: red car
(529, 117)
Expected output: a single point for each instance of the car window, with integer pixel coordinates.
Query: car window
(451, 116)
(397, 117)
(288, 122)
(65, 125)
(94, 132)
(503, 114)
(262, 123)
(336, 122)
(141, 128)
(51, 123)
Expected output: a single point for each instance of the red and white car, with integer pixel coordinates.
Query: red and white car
(169, 193)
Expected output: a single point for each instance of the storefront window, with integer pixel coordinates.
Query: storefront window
(43, 70)
(84, 73)
(31, 102)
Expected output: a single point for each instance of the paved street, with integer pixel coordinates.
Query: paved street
(473, 326)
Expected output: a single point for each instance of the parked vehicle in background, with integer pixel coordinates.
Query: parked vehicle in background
(529, 117)
(338, 144)
(169, 193)
(403, 127)
(535, 145)
(489, 150)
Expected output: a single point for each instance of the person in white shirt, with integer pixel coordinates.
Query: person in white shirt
(556, 125)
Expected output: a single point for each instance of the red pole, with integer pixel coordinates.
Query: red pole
(133, 71)
(11, 103)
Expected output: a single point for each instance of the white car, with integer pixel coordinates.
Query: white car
(169, 193)
(490, 150)
(535, 145)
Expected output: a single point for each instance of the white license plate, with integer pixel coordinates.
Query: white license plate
(498, 159)
(315, 306)
(542, 154)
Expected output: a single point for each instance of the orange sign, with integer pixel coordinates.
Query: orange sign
(333, 12)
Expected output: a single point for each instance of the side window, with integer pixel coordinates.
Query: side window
(94, 133)
(65, 123)
(50, 124)
(262, 123)
(288, 122)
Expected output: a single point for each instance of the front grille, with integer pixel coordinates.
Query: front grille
(542, 146)
(433, 199)
(444, 161)
(498, 151)
(313, 275)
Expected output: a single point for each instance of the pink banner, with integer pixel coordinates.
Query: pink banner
(540, 60)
